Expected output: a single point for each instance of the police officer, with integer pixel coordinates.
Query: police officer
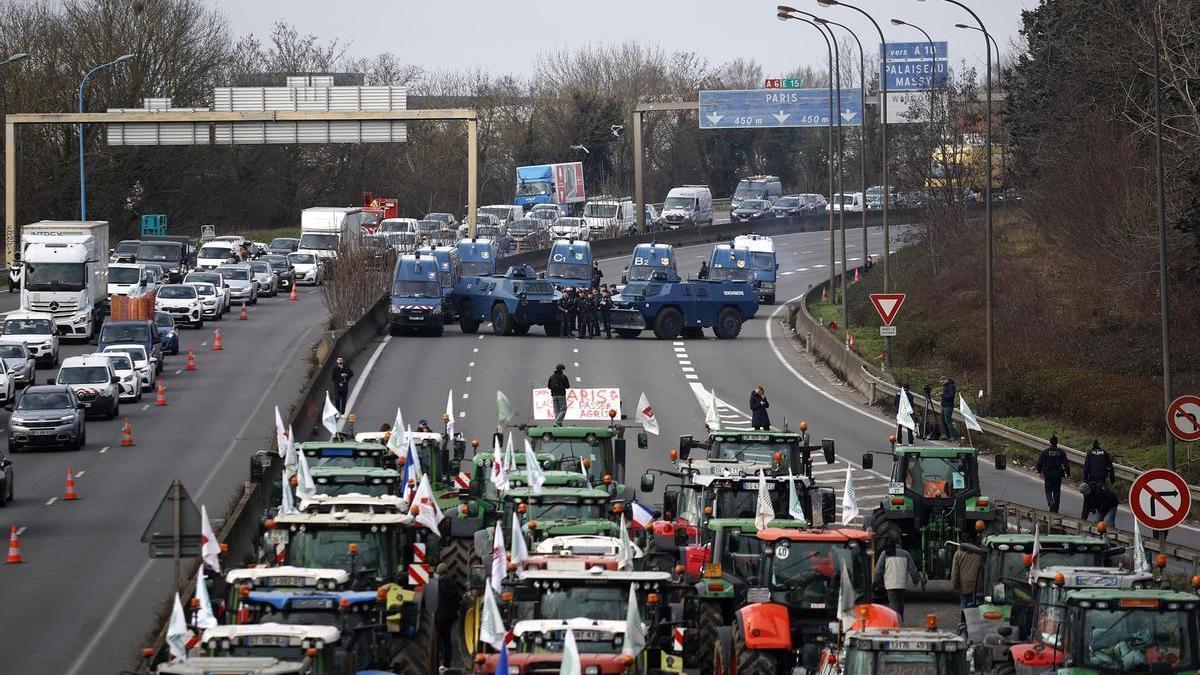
(341, 384)
(597, 275)
(1098, 469)
(1052, 466)
(605, 307)
(594, 314)
(564, 313)
(703, 274)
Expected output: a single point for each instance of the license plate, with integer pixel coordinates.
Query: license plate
(589, 635)
(265, 641)
(41, 432)
(86, 404)
(416, 318)
(276, 536)
(283, 581)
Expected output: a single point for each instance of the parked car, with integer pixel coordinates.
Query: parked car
(283, 245)
(168, 333)
(210, 302)
(145, 368)
(265, 277)
(36, 331)
(133, 332)
(788, 206)
(182, 302)
(20, 363)
(243, 289)
(570, 228)
(308, 268)
(813, 203)
(527, 234)
(751, 210)
(547, 212)
(131, 380)
(94, 383)
(214, 278)
(46, 415)
(283, 269)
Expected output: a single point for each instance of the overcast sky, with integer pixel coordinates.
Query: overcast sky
(506, 36)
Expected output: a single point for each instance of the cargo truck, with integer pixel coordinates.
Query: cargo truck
(66, 273)
(323, 229)
(558, 184)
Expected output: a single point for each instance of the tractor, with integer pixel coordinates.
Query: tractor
(934, 501)
(883, 651)
(748, 452)
(1130, 631)
(267, 649)
(287, 579)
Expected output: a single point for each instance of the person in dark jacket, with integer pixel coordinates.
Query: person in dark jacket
(449, 602)
(597, 275)
(900, 428)
(949, 399)
(605, 308)
(558, 384)
(565, 303)
(758, 409)
(703, 273)
(341, 384)
(1098, 465)
(1052, 466)
(1098, 499)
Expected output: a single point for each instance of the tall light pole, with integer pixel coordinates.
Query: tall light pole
(1000, 86)
(1162, 241)
(783, 13)
(20, 56)
(862, 136)
(82, 177)
(987, 197)
(932, 67)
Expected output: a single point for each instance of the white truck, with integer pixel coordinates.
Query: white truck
(65, 273)
(325, 228)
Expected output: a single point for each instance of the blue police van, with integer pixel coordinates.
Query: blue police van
(763, 265)
(416, 299)
(569, 264)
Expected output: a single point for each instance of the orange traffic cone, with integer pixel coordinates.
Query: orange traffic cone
(162, 395)
(191, 360)
(217, 339)
(126, 434)
(822, 295)
(850, 341)
(244, 315)
(856, 275)
(14, 548)
(70, 495)
(295, 294)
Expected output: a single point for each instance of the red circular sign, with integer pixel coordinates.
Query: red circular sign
(1160, 499)
(1183, 418)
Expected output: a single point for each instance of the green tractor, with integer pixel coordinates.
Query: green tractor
(748, 451)
(934, 501)
(1130, 631)
(603, 448)
(881, 651)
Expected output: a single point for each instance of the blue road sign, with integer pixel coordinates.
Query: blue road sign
(915, 66)
(911, 51)
(775, 108)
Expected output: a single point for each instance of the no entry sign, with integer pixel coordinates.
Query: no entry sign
(1183, 418)
(1160, 499)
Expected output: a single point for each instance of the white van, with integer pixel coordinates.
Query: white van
(609, 216)
(690, 206)
(392, 225)
(216, 253)
(852, 202)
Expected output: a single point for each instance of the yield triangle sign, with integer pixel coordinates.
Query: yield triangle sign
(888, 305)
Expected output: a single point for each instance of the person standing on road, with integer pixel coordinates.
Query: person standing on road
(558, 384)
(594, 314)
(1052, 466)
(758, 409)
(900, 428)
(949, 399)
(605, 307)
(966, 577)
(448, 602)
(564, 313)
(703, 273)
(341, 384)
(897, 572)
(1098, 467)
(597, 275)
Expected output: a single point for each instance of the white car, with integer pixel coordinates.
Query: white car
(308, 268)
(131, 381)
(214, 278)
(146, 368)
(182, 302)
(211, 304)
(570, 228)
(8, 384)
(265, 277)
(94, 383)
(20, 363)
(125, 278)
(217, 253)
(36, 331)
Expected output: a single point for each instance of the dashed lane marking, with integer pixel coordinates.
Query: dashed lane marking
(104, 450)
(468, 378)
(80, 474)
(178, 372)
(576, 364)
(471, 364)
(688, 369)
(575, 350)
(466, 395)
(577, 378)
(21, 530)
(50, 502)
(146, 407)
(684, 363)
(690, 376)
(475, 350)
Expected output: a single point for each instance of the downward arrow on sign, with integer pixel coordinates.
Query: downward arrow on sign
(715, 119)
(849, 115)
(781, 116)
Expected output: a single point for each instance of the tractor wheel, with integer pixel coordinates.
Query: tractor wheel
(417, 654)
(1005, 669)
(749, 661)
(998, 524)
(467, 320)
(628, 333)
(728, 325)
(693, 333)
(708, 624)
(502, 323)
(466, 635)
(457, 552)
(885, 529)
(668, 323)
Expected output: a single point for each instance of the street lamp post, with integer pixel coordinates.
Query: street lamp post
(82, 177)
(20, 56)
(783, 13)
(1000, 86)
(1162, 242)
(932, 71)
(987, 196)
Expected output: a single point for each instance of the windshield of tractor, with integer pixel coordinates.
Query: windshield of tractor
(807, 571)
(564, 509)
(354, 485)
(748, 448)
(1125, 639)
(894, 662)
(743, 503)
(331, 549)
(336, 458)
(563, 448)
(1008, 566)
(1050, 612)
(741, 554)
(599, 603)
(934, 477)
(274, 646)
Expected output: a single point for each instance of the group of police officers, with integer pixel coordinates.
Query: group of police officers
(584, 311)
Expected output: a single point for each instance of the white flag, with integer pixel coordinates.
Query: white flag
(849, 500)
(428, 512)
(398, 441)
(450, 415)
(845, 608)
(210, 548)
(635, 631)
(533, 470)
(646, 415)
(510, 456)
(504, 412)
(177, 632)
(491, 624)
(305, 488)
(499, 564)
(904, 413)
(204, 613)
(624, 548)
(967, 415)
(281, 436)
(795, 508)
(764, 513)
(520, 550)
(289, 457)
(570, 656)
(287, 502)
(1036, 552)
(1141, 561)
(329, 416)
(711, 419)
(499, 475)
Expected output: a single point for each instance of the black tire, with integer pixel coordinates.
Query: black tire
(502, 323)
(708, 624)
(750, 661)
(728, 325)
(4, 491)
(668, 324)
(628, 333)
(553, 329)
(13, 448)
(199, 324)
(770, 299)
(520, 328)
(439, 330)
(692, 332)
(393, 330)
(466, 319)
(457, 553)
(418, 653)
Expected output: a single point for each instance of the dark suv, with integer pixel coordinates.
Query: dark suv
(46, 415)
(132, 332)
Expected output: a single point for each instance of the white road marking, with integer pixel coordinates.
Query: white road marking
(366, 371)
(178, 372)
(576, 350)
(476, 350)
(471, 364)
(204, 344)
(577, 378)
(21, 531)
(818, 266)
(788, 274)
(855, 258)
(146, 407)
(482, 336)
(688, 369)
(80, 474)
(466, 395)
(462, 415)
(51, 501)
(104, 450)
(685, 363)
(679, 349)
(576, 364)
(677, 344)
(468, 378)
(691, 377)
